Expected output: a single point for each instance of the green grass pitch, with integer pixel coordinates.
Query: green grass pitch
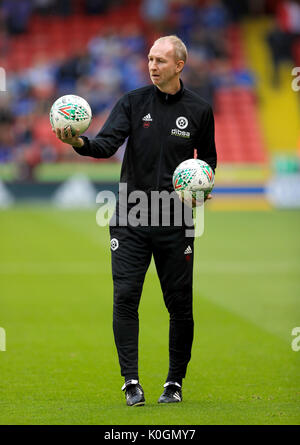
(60, 365)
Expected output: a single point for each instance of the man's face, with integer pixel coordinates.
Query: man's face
(163, 67)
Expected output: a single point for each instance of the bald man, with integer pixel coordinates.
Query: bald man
(164, 123)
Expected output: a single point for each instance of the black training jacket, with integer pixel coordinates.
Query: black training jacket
(162, 130)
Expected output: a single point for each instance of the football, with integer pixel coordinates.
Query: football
(192, 177)
(73, 111)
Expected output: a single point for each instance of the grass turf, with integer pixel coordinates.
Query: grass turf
(61, 367)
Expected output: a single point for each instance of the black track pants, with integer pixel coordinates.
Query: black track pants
(132, 249)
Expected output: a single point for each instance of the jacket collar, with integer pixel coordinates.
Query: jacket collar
(170, 98)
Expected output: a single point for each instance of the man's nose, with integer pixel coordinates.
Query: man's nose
(152, 66)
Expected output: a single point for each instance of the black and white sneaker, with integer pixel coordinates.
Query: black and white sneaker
(171, 394)
(134, 393)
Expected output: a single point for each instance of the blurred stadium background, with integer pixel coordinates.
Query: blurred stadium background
(55, 285)
(241, 55)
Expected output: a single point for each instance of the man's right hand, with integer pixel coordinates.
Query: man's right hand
(66, 137)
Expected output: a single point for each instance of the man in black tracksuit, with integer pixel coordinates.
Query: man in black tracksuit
(164, 123)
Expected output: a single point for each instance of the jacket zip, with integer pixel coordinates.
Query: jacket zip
(161, 152)
(159, 166)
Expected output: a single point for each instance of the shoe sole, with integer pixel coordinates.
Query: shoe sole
(138, 404)
(166, 403)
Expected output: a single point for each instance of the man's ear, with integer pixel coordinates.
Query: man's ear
(179, 66)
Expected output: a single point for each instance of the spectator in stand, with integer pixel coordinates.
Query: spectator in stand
(23, 129)
(4, 42)
(6, 133)
(96, 6)
(214, 15)
(63, 8)
(156, 13)
(41, 77)
(107, 43)
(44, 7)
(186, 18)
(101, 6)
(205, 43)
(197, 78)
(26, 161)
(283, 35)
(71, 70)
(133, 41)
(16, 14)
(133, 73)
(214, 20)
(108, 74)
(237, 9)
(117, 63)
(225, 76)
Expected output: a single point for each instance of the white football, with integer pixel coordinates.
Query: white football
(73, 111)
(192, 177)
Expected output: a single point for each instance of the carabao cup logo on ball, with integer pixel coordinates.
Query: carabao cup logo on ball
(73, 111)
(193, 176)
